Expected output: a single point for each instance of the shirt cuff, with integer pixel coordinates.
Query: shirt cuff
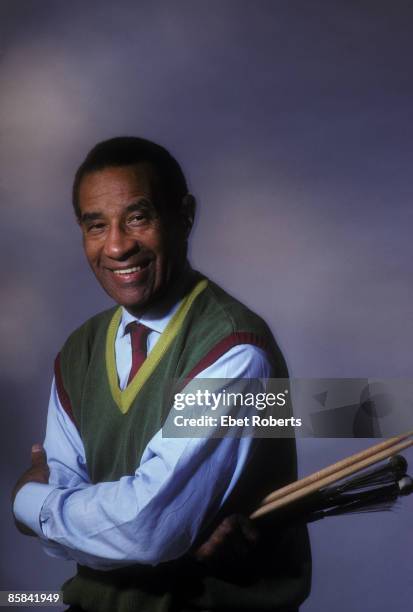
(28, 504)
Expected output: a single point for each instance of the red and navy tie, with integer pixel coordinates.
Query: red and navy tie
(139, 335)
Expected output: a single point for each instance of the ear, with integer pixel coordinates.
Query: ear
(188, 206)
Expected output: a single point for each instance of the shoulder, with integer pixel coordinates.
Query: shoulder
(222, 322)
(73, 360)
(229, 311)
(75, 354)
(86, 334)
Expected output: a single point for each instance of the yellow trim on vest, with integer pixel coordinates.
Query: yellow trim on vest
(124, 399)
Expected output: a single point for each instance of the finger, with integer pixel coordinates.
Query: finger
(237, 525)
(250, 532)
(215, 541)
(226, 532)
(226, 527)
(238, 537)
(38, 455)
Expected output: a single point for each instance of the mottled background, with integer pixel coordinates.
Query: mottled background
(293, 121)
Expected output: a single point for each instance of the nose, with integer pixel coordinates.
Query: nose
(118, 244)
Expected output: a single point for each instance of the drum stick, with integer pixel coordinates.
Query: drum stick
(315, 485)
(335, 467)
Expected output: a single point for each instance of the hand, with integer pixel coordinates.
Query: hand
(38, 472)
(229, 550)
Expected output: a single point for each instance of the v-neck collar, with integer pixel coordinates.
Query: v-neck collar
(124, 399)
(157, 317)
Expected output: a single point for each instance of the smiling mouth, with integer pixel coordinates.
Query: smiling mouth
(128, 270)
(131, 273)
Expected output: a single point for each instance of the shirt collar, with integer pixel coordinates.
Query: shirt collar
(158, 317)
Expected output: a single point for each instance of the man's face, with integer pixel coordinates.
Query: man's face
(132, 244)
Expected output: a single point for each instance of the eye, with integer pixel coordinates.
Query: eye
(137, 218)
(95, 228)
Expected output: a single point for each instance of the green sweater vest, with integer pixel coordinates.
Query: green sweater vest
(115, 435)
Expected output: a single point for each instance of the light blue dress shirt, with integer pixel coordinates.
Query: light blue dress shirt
(154, 515)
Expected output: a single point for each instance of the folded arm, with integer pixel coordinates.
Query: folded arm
(152, 516)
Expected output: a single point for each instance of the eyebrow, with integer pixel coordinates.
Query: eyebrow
(139, 204)
(90, 217)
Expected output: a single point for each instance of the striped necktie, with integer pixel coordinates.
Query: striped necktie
(139, 335)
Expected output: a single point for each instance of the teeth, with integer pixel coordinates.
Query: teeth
(128, 270)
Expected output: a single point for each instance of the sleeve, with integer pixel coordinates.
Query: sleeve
(179, 484)
(67, 465)
(155, 515)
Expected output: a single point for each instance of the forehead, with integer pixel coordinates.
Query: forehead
(118, 186)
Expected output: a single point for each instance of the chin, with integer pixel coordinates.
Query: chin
(137, 304)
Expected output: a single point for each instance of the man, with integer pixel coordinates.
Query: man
(143, 515)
